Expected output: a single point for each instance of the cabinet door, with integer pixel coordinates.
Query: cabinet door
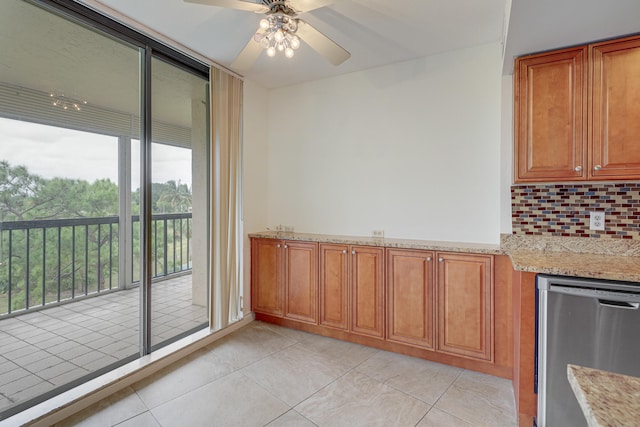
(410, 297)
(334, 286)
(266, 276)
(615, 137)
(465, 305)
(301, 281)
(367, 291)
(550, 116)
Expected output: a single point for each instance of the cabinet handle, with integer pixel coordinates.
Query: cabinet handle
(440, 259)
(353, 252)
(597, 167)
(285, 246)
(344, 251)
(428, 258)
(278, 246)
(578, 169)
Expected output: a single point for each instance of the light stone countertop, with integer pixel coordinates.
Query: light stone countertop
(476, 248)
(606, 398)
(597, 266)
(609, 259)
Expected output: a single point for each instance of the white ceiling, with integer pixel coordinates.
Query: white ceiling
(376, 32)
(379, 32)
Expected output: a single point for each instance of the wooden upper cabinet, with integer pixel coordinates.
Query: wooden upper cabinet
(266, 276)
(410, 299)
(301, 281)
(465, 305)
(334, 286)
(551, 116)
(367, 291)
(615, 109)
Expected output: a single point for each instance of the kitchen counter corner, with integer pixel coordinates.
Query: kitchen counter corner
(606, 398)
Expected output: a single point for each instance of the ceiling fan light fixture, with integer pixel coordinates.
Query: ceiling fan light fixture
(279, 36)
(276, 33)
(295, 42)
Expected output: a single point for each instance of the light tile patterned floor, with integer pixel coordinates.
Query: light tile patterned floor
(42, 350)
(265, 375)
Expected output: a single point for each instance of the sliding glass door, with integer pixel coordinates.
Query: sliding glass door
(179, 247)
(80, 107)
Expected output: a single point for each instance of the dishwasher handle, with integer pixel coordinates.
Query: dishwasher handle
(619, 304)
(605, 297)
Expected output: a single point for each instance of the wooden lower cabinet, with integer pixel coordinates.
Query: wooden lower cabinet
(447, 307)
(352, 289)
(301, 281)
(465, 305)
(410, 301)
(284, 279)
(334, 286)
(367, 291)
(266, 277)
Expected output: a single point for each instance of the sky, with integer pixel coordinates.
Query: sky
(56, 152)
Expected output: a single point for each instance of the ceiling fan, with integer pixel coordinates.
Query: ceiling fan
(281, 30)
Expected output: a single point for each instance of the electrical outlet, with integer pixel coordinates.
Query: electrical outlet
(596, 220)
(288, 228)
(378, 234)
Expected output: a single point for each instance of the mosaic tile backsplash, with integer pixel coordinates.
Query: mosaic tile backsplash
(563, 209)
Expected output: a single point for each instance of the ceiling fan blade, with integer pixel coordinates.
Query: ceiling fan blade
(233, 4)
(248, 56)
(307, 5)
(322, 44)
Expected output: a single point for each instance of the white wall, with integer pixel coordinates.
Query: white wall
(255, 191)
(506, 176)
(412, 148)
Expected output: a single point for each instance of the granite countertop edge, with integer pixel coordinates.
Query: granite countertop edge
(476, 248)
(591, 266)
(606, 398)
(611, 260)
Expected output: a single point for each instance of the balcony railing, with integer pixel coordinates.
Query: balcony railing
(45, 262)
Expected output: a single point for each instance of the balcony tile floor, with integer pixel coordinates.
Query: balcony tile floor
(266, 375)
(42, 350)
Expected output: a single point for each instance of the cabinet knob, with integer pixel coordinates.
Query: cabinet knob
(440, 259)
(278, 246)
(344, 251)
(597, 167)
(353, 252)
(428, 258)
(578, 169)
(285, 246)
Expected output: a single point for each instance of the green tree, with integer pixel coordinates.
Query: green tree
(174, 197)
(17, 191)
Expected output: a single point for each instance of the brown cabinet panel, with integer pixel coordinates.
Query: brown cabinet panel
(301, 281)
(367, 291)
(615, 107)
(334, 286)
(410, 297)
(550, 116)
(465, 305)
(266, 276)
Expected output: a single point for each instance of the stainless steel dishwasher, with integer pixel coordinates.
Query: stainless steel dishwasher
(586, 322)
